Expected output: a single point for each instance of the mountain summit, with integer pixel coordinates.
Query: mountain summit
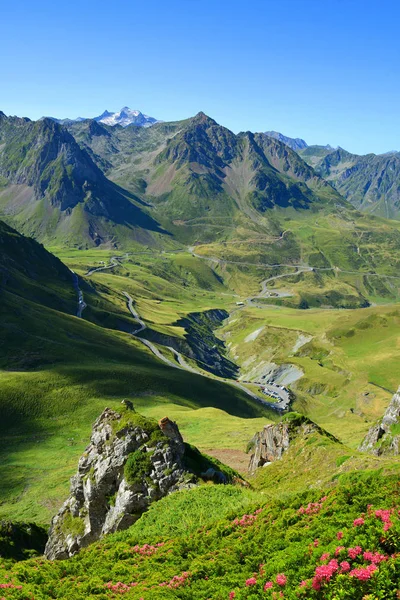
(126, 116)
(293, 143)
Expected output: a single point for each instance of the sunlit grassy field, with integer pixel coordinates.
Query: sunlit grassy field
(350, 359)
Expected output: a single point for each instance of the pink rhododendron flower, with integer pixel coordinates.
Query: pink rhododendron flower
(268, 586)
(281, 579)
(325, 556)
(251, 581)
(339, 535)
(344, 566)
(374, 557)
(304, 583)
(363, 573)
(316, 585)
(358, 522)
(354, 552)
(232, 595)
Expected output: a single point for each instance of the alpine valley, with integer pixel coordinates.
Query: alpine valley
(201, 329)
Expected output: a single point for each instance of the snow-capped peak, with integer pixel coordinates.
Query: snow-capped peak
(125, 117)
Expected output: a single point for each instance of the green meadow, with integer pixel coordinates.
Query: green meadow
(349, 359)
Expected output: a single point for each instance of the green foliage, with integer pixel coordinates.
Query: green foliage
(137, 467)
(395, 429)
(213, 541)
(72, 525)
(342, 459)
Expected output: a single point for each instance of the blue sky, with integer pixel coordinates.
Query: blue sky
(327, 71)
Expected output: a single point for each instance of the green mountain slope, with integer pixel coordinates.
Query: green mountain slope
(249, 199)
(200, 180)
(371, 182)
(58, 371)
(51, 189)
(287, 534)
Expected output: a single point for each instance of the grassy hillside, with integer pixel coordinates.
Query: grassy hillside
(353, 257)
(342, 363)
(223, 542)
(80, 368)
(58, 372)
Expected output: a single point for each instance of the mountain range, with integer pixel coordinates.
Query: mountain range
(88, 182)
(370, 182)
(124, 117)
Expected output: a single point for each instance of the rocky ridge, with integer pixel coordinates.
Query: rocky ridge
(384, 437)
(130, 462)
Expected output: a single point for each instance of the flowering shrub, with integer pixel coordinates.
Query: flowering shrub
(275, 551)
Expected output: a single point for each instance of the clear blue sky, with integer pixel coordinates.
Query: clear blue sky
(324, 70)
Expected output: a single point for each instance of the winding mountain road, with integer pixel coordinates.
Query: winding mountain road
(282, 405)
(181, 363)
(114, 262)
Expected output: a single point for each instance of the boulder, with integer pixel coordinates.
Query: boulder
(269, 444)
(384, 437)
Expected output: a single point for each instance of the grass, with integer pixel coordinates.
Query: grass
(213, 541)
(349, 362)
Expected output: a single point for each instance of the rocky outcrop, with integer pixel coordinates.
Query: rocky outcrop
(130, 462)
(269, 444)
(384, 437)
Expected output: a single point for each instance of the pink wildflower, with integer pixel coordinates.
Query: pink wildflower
(251, 581)
(354, 552)
(232, 595)
(268, 586)
(325, 556)
(344, 566)
(358, 522)
(339, 535)
(281, 579)
(363, 573)
(316, 585)
(374, 557)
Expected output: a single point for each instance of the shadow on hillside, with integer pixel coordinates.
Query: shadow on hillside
(124, 212)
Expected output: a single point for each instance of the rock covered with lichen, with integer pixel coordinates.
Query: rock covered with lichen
(384, 437)
(130, 462)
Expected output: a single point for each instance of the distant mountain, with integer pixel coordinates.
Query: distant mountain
(197, 169)
(313, 154)
(123, 117)
(51, 189)
(370, 182)
(293, 143)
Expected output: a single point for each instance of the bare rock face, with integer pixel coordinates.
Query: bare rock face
(384, 437)
(129, 463)
(269, 444)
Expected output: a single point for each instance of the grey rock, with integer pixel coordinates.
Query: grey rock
(269, 444)
(380, 439)
(101, 500)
